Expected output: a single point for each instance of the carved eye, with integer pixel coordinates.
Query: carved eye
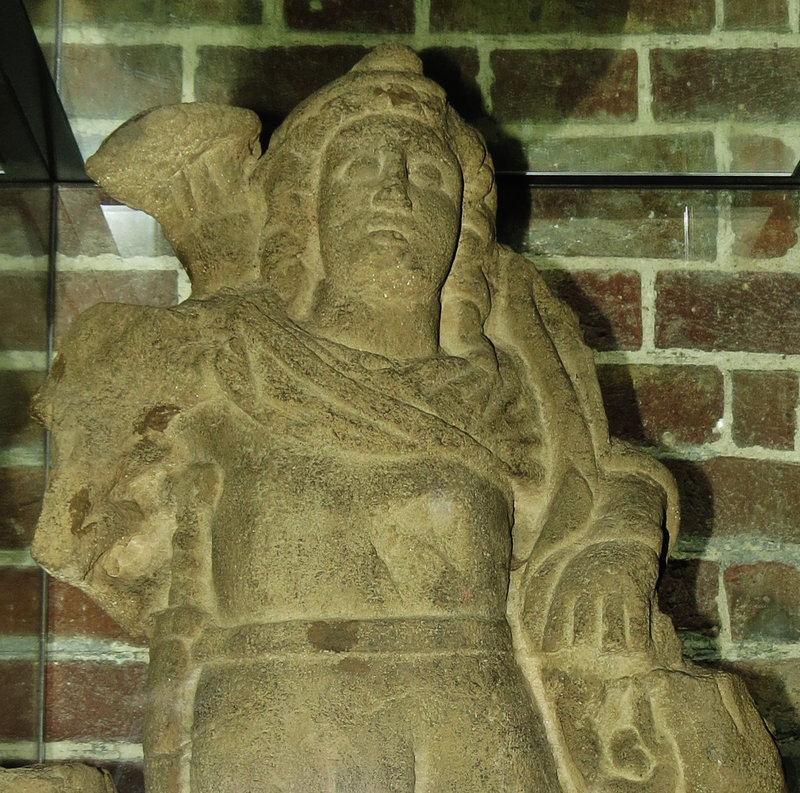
(424, 171)
(362, 169)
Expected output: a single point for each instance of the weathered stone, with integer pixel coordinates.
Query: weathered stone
(764, 405)
(64, 778)
(775, 686)
(360, 486)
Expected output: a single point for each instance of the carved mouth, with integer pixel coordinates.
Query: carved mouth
(386, 235)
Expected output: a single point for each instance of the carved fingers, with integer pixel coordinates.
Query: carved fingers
(603, 600)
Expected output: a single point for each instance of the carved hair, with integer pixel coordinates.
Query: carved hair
(388, 81)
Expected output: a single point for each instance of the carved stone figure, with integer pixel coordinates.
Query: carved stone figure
(359, 491)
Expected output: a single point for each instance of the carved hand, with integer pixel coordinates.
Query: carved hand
(604, 600)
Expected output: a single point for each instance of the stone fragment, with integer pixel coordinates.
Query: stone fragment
(59, 778)
(360, 486)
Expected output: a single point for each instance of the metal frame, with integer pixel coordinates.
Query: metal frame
(36, 141)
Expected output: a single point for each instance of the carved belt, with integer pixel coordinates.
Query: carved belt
(303, 637)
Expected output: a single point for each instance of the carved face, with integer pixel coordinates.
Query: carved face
(389, 207)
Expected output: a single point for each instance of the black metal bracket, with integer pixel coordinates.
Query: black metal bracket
(36, 141)
(654, 181)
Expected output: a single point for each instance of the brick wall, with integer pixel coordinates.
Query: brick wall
(691, 300)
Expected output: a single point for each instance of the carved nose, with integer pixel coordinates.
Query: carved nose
(392, 190)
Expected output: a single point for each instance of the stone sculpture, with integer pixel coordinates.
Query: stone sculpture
(359, 491)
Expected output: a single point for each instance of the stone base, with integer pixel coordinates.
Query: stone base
(61, 778)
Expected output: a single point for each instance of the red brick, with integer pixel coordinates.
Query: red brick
(728, 496)
(269, 81)
(553, 85)
(25, 223)
(16, 390)
(20, 502)
(764, 223)
(716, 85)
(628, 223)
(764, 601)
(156, 12)
(76, 291)
(18, 686)
(766, 15)
(20, 601)
(687, 592)
(775, 687)
(761, 154)
(764, 406)
(659, 153)
(456, 70)
(662, 405)
(608, 305)
(71, 613)
(586, 16)
(23, 311)
(356, 16)
(751, 311)
(86, 701)
(134, 78)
